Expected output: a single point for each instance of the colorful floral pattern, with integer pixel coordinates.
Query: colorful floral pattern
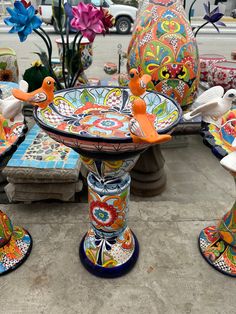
(223, 73)
(89, 116)
(206, 62)
(217, 252)
(164, 46)
(220, 139)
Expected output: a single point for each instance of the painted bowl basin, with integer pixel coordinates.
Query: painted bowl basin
(220, 139)
(14, 135)
(94, 121)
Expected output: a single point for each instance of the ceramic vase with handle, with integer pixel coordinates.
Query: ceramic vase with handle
(163, 45)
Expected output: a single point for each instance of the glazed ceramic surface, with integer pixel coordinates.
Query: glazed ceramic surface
(8, 65)
(223, 73)
(217, 244)
(95, 122)
(86, 51)
(163, 45)
(220, 139)
(206, 62)
(96, 119)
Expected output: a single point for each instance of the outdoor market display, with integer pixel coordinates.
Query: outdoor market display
(218, 243)
(15, 242)
(104, 125)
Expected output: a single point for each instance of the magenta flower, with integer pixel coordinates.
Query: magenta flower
(88, 20)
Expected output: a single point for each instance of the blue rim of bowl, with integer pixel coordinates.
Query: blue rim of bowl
(101, 139)
(11, 149)
(209, 141)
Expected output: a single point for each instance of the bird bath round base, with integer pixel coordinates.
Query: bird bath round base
(94, 121)
(217, 244)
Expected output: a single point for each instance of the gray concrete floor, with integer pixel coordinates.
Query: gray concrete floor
(170, 276)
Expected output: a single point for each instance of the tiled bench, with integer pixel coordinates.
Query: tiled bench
(42, 169)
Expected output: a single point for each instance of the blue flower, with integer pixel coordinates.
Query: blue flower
(23, 20)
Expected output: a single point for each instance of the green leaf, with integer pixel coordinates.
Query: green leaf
(158, 110)
(3, 65)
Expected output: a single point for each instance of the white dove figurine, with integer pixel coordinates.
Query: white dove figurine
(212, 105)
(11, 107)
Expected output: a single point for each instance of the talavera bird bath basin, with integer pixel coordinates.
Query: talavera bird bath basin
(94, 121)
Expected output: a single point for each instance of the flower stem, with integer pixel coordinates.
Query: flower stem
(195, 34)
(75, 76)
(49, 58)
(190, 11)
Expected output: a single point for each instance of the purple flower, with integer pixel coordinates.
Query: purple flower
(22, 19)
(214, 16)
(88, 20)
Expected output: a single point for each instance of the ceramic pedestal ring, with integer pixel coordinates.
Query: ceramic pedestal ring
(218, 243)
(223, 73)
(94, 121)
(206, 61)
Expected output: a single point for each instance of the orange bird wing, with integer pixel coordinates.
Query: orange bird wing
(34, 97)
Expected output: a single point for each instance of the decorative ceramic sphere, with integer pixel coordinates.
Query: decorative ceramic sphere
(6, 229)
(223, 73)
(163, 45)
(206, 61)
(110, 68)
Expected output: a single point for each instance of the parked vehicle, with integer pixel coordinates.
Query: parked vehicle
(124, 14)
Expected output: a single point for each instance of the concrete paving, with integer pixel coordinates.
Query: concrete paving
(170, 276)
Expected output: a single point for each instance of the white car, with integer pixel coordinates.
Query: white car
(124, 14)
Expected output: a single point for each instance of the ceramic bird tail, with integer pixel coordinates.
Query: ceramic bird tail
(41, 97)
(137, 84)
(141, 127)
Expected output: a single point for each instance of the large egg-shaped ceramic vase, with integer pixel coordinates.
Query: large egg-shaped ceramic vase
(163, 45)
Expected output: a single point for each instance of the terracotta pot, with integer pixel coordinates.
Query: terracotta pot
(223, 73)
(206, 61)
(110, 68)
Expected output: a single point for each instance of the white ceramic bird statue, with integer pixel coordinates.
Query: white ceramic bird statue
(11, 107)
(212, 105)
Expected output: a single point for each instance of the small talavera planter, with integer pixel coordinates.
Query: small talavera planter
(223, 73)
(164, 46)
(8, 65)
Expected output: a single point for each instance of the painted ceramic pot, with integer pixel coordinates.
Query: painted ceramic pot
(9, 71)
(223, 73)
(86, 51)
(110, 68)
(206, 61)
(163, 45)
(94, 121)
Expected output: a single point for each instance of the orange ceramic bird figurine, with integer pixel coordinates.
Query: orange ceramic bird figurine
(137, 84)
(142, 128)
(41, 97)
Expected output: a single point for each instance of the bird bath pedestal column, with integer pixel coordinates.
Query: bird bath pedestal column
(218, 243)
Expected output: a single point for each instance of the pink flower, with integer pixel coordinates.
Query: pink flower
(88, 20)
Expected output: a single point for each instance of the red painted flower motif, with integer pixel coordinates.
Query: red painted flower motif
(102, 213)
(221, 76)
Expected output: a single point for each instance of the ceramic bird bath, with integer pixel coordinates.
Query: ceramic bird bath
(15, 242)
(218, 243)
(94, 121)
